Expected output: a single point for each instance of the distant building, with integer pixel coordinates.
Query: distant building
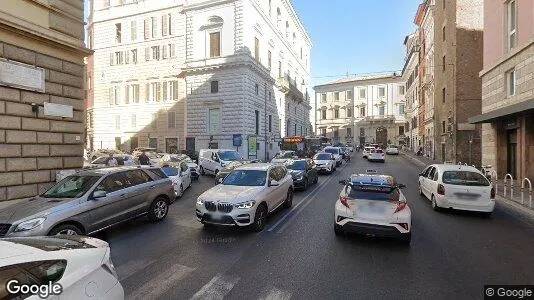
(410, 75)
(360, 110)
(41, 93)
(508, 88)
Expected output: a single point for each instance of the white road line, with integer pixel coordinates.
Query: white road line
(133, 266)
(274, 294)
(217, 288)
(161, 283)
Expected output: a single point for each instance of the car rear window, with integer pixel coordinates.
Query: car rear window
(468, 178)
(380, 193)
(378, 151)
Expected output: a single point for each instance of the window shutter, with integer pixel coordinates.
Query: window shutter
(155, 29)
(126, 57)
(215, 44)
(146, 29)
(111, 60)
(164, 25)
(171, 28)
(165, 97)
(126, 94)
(147, 53)
(164, 52)
(147, 92)
(172, 52)
(175, 90)
(158, 91)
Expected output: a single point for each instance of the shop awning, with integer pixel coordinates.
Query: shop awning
(503, 112)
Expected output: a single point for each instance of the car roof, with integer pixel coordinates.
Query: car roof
(255, 166)
(447, 167)
(323, 153)
(372, 179)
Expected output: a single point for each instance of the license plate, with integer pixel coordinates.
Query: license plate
(467, 196)
(216, 217)
(372, 209)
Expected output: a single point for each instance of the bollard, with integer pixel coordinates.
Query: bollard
(511, 185)
(529, 191)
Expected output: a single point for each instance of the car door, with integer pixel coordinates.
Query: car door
(273, 194)
(422, 179)
(185, 174)
(105, 211)
(138, 191)
(428, 181)
(285, 181)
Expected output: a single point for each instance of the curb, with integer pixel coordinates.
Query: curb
(417, 161)
(515, 207)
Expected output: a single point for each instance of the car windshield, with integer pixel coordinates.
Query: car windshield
(170, 171)
(285, 155)
(464, 178)
(296, 165)
(331, 150)
(73, 186)
(377, 151)
(322, 156)
(230, 155)
(246, 178)
(369, 192)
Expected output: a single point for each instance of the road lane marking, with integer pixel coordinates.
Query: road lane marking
(217, 288)
(273, 293)
(161, 283)
(131, 267)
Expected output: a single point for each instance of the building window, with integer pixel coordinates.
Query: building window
(401, 130)
(336, 96)
(269, 60)
(279, 69)
(118, 33)
(257, 49)
(257, 118)
(443, 126)
(173, 90)
(214, 86)
(134, 121)
(269, 8)
(154, 122)
(270, 123)
(171, 119)
(362, 131)
(336, 131)
(443, 33)
(443, 94)
(349, 132)
(287, 127)
(323, 98)
(117, 122)
(257, 89)
(443, 64)
(336, 113)
(401, 109)
(133, 30)
(214, 120)
(166, 25)
(349, 95)
(155, 52)
(215, 44)
(134, 93)
(362, 93)
(134, 55)
(362, 111)
(323, 132)
(381, 91)
(512, 24)
(154, 26)
(146, 29)
(401, 89)
(116, 95)
(511, 83)
(295, 129)
(153, 143)
(381, 110)
(323, 113)
(349, 112)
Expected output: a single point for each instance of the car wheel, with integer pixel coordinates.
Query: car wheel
(338, 230)
(158, 209)
(202, 171)
(181, 191)
(406, 238)
(66, 229)
(434, 204)
(259, 218)
(289, 199)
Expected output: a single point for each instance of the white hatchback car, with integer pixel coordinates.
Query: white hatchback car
(325, 162)
(457, 187)
(376, 155)
(337, 152)
(180, 176)
(373, 205)
(246, 196)
(58, 267)
(392, 150)
(366, 151)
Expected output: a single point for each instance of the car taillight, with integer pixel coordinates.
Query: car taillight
(400, 206)
(441, 189)
(403, 225)
(492, 195)
(344, 201)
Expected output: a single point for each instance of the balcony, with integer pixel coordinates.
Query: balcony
(289, 87)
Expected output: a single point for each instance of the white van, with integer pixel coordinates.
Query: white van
(211, 161)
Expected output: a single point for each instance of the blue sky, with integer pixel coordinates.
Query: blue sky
(355, 36)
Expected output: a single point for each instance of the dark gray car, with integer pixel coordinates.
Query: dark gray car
(90, 201)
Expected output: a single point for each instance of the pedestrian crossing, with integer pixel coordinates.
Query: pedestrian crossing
(158, 286)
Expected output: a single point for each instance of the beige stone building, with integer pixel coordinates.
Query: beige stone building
(508, 88)
(457, 87)
(41, 93)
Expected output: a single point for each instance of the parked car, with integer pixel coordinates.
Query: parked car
(373, 204)
(211, 161)
(229, 168)
(172, 159)
(90, 201)
(92, 155)
(366, 151)
(325, 162)
(122, 160)
(246, 196)
(79, 264)
(303, 172)
(376, 155)
(283, 156)
(457, 187)
(138, 151)
(337, 152)
(392, 150)
(180, 174)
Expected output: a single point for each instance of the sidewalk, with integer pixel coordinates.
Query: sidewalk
(510, 203)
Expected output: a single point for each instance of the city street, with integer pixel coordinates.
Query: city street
(297, 256)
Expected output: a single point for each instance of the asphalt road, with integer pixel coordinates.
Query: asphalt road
(452, 254)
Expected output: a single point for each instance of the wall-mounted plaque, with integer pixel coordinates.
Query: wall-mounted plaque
(22, 76)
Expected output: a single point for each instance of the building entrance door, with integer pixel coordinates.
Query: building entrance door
(511, 152)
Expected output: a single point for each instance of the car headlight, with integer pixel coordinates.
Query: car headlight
(30, 224)
(246, 205)
(200, 201)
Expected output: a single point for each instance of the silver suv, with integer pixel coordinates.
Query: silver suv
(91, 201)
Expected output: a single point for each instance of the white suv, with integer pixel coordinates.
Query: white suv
(211, 161)
(366, 151)
(246, 196)
(337, 152)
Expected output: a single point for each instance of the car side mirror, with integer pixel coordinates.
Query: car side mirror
(343, 182)
(98, 195)
(273, 183)
(401, 186)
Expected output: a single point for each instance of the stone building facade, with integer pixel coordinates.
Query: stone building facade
(410, 75)
(458, 43)
(361, 110)
(508, 88)
(43, 44)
